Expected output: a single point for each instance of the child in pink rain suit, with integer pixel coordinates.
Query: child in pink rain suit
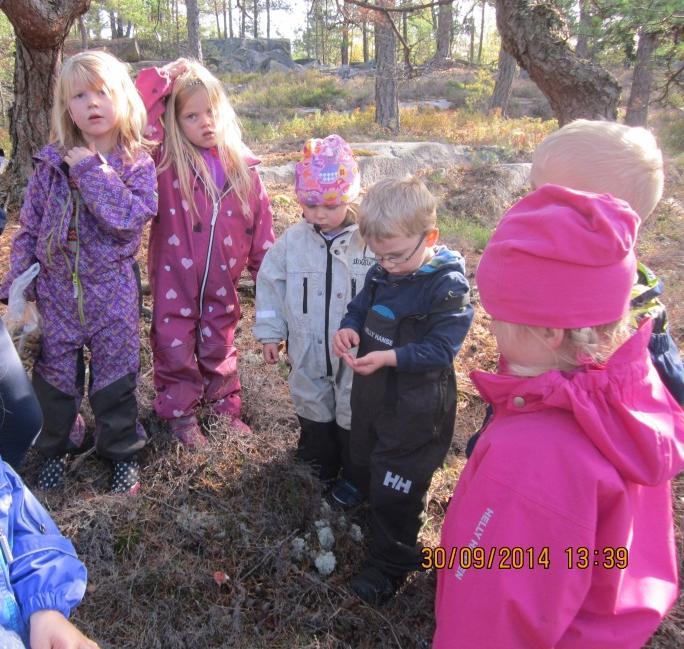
(560, 532)
(214, 219)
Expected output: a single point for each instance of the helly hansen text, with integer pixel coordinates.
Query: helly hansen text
(396, 482)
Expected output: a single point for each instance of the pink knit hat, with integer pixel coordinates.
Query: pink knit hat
(328, 173)
(560, 258)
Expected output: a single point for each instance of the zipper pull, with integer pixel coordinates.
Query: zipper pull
(215, 213)
(74, 281)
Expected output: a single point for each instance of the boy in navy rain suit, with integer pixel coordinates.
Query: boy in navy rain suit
(408, 322)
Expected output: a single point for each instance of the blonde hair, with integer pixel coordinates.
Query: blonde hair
(99, 70)
(580, 346)
(397, 207)
(179, 152)
(604, 158)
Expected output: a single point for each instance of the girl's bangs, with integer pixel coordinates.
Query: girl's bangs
(87, 76)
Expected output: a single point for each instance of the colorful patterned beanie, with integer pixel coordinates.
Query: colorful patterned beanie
(328, 173)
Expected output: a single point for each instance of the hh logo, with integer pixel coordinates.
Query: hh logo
(396, 482)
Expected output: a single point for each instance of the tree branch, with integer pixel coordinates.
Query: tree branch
(399, 10)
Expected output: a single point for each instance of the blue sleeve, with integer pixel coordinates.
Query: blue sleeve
(450, 317)
(21, 418)
(45, 572)
(357, 309)
(668, 362)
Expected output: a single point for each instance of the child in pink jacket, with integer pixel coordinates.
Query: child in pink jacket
(214, 219)
(560, 531)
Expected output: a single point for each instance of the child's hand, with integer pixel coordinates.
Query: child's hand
(372, 361)
(177, 67)
(271, 353)
(344, 340)
(51, 630)
(78, 153)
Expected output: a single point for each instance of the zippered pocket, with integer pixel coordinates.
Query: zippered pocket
(305, 305)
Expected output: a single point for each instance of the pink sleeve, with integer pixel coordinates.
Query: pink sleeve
(262, 238)
(154, 86)
(513, 600)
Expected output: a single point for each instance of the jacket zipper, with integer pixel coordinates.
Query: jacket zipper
(305, 295)
(214, 215)
(6, 550)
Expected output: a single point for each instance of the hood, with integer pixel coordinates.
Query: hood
(621, 406)
(444, 257)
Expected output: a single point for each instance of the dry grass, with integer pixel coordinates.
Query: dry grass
(201, 557)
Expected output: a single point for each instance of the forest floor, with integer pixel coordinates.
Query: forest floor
(203, 555)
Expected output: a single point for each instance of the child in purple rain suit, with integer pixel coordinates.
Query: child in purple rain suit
(214, 219)
(93, 190)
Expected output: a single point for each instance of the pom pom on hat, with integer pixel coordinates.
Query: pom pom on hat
(560, 258)
(327, 173)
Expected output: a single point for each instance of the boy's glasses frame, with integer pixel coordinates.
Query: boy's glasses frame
(392, 259)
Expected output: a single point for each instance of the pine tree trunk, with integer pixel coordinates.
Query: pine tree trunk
(194, 43)
(40, 29)
(404, 35)
(504, 82)
(445, 18)
(386, 96)
(482, 24)
(344, 46)
(639, 96)
(243, 16)
(84, 32)
(268, 20)
(364, 37)
(574, 87)
(177, 25)
(218, 22)
(582, 47)
(255, 21)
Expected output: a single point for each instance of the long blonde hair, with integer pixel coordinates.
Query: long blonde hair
(99, 70)
(580, 346)
(179, 152)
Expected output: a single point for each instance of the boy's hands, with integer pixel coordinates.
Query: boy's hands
(344, 340)
(372, 361)
(78, 153)
(271, 353)
(177, 67)
(51, 630)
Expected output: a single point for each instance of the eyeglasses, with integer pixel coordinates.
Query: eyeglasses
(400, 259)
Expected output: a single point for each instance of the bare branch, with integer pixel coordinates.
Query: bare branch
(399, 10)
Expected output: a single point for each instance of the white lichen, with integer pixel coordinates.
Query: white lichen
(356, 533)
(325, 508)
(326, 537)
(298, 547)
(325, 563)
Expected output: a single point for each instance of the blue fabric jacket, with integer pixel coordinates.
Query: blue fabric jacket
(664, 352)
(40, 569)
(438, 288)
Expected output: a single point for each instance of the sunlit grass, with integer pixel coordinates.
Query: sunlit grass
(518, 136)
(283, 90)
